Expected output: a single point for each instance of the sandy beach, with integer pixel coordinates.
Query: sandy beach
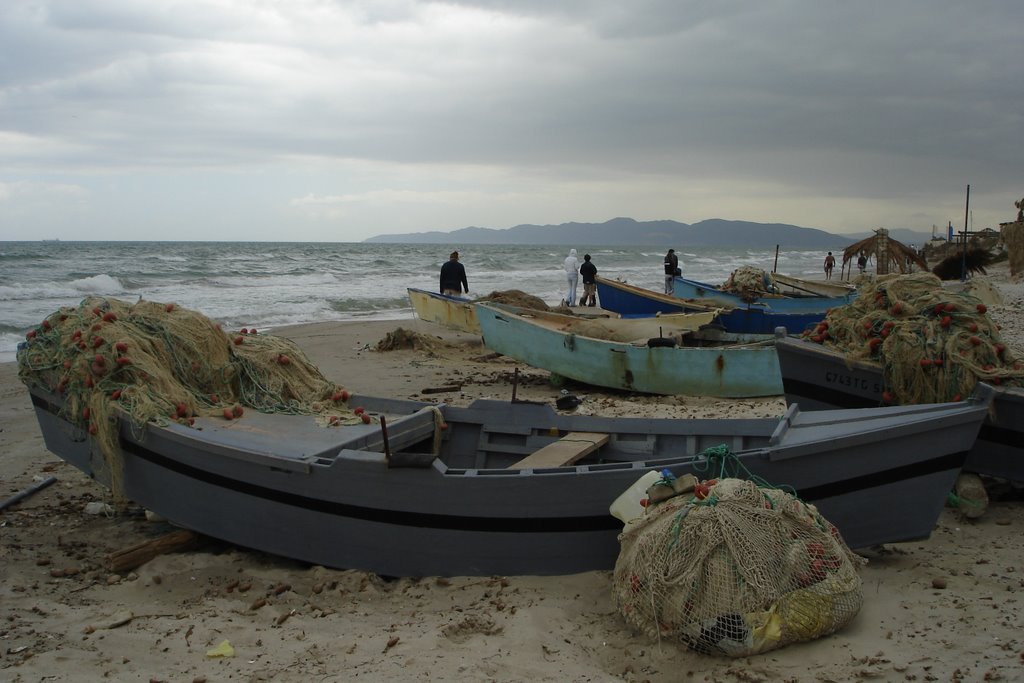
(943, 609)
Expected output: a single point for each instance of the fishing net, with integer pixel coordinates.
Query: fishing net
(934, 345)
(749, 283)
(149, 361)
(728, 567)
(515, 297)
(401, 338)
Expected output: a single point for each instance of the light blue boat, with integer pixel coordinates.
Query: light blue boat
(778, 303)
(554, 342)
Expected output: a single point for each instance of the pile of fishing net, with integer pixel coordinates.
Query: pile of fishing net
(402, 338)
(749, 283)
(515, 297)
(159, 362)
(934, 345)
(728, 567)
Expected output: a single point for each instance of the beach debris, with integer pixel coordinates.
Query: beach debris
(401, 338)
(934, 345)
(98, 508)
(140, 553)
(727, 567)
(567, 401)
(119, 618)
(969, 495)
(470, 625)
(30, 491)
(116, 620)
(222, 649)
(154, 517)
(441, 390)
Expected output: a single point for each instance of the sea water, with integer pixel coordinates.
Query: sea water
(268, 285)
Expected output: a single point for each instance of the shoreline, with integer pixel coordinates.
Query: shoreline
(936, 609)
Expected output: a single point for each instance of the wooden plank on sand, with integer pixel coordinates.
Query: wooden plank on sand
(137, 555)
(565, 451)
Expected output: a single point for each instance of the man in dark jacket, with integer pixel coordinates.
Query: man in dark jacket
(671, 266)
(453, 276)
(587, 271)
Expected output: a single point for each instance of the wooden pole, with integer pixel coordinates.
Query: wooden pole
(776, 266)
(141, 553)
(27, 492)
(384, 436)
(963, 252)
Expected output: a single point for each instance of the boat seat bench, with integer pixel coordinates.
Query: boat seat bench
(565, 451)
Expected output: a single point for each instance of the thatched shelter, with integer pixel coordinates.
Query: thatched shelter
(1013, 238)
(890, 256)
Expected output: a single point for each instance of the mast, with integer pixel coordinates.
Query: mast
(963, 252)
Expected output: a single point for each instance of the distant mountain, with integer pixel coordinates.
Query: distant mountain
(908, 237)
(714, 232)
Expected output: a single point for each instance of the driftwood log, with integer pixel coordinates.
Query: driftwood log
(441, 390)
(134, 556)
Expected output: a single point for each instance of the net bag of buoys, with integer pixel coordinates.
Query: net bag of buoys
(728, 567)
(934, 345)
(109, 360)
(748, 282)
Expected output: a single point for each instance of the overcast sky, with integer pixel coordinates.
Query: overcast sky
(327, 120)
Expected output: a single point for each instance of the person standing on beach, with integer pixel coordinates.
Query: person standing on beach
(587, 271)
(571, 265)
(671, 266)
(830, 263)
(862, 263)
(453, 276)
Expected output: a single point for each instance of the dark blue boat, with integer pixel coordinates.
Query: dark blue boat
(630, 301)
(781, 303)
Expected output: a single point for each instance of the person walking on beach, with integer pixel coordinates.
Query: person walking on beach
(671, 268)
(830, 263)
(453, 276)
(587, 271)
(862, 263)
(572, 275)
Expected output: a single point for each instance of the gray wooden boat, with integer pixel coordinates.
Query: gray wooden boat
(506, 488)
(819, 378)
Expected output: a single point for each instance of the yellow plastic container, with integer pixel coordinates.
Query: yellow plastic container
(627, 506)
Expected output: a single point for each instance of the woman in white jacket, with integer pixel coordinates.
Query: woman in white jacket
(572, 274)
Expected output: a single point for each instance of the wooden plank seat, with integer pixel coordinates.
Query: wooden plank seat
(565, 451)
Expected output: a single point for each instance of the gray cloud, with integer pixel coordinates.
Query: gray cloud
(837, 115)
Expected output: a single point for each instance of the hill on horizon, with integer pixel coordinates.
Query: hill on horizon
(713, 232)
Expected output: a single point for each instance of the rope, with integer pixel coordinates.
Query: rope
(722, 463)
